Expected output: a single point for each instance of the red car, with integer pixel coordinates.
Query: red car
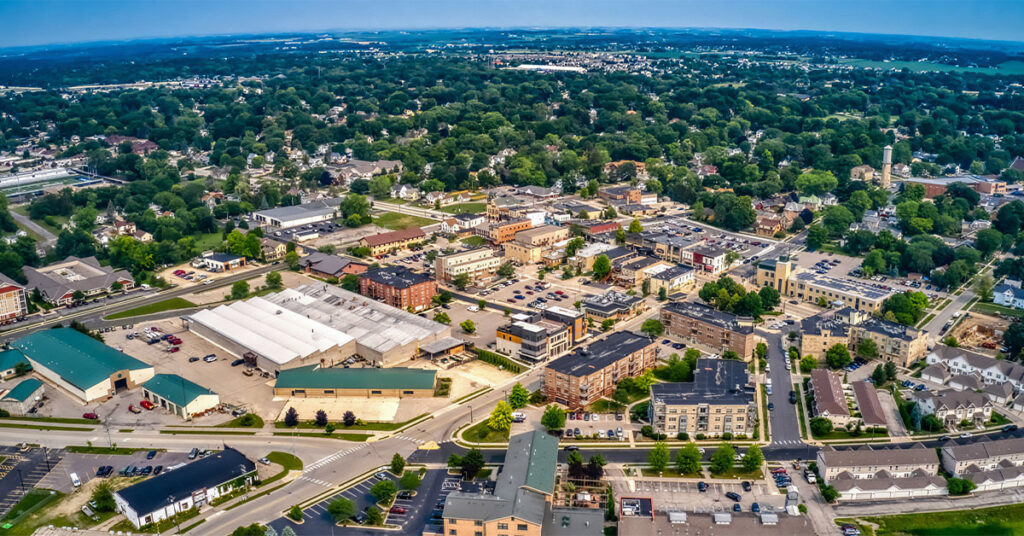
(147, 404)
(175, 341)
(173, 349)
(133, 409)
(91, 416)
(397, 510)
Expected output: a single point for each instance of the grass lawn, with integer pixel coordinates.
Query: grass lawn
(43, 427)
(55, 229)
(998, 419)
(606, 406)
(205, 241)
(473, 241)
(843, 434)
(481, 433)
(739, 474)
(991, 308)
(800, 410)
(670, 472)
(59, 420)
(255, 422)
(30, 512)
(107, 450)
(396, 221)
(344, 437)
(153, 308)
(462, 208)
(997, 521)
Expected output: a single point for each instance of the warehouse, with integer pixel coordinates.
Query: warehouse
(85, 367)
(384, 335)
(179, 396)
(305, 214)
(316, 382)
(277, 337)
(20, 399)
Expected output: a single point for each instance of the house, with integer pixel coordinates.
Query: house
(871, 473)
(829, 398)
(272, 250)
(13, 300)
(864, 173)
(192, 486)
(450, 226)
(989, 369)
(871, 412)
(982, 456)
(1000, 394)
(60, 282)
(952, 407)
(1008, 296)
(404, 191)
(327, 266)
(767, 226)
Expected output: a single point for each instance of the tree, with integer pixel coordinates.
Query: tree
(78, 295)
(867, 348)
(761, 350)
(960, 486)
(321, 417)
(482, 304)
(817, 236)
(652, 327)
(291, 418)
(274, 280)
(658, 457)
(816, 182)
(397, 464)
(239, 290)
(254, 529)
(501, 417)
(878, 375)
(384, 491)
(519, 396)
(295, 513)
(723, 459)
(374, 516)
(770, 298)
(468, 326)
(753, 459)
(348, 418)
(553, 418)
(984, 287)
(820, 426)
(635, 227)
(838, 356)
(350, 282)
(103, 496)
(461, 281)
(688, 459)
(602, 267)
(292, 260)
(607, 324)
(988, 241)
(472, 463)
(341, 509)
(890, 370)
(663, 294)
(507, 270)
(441, 317)
(829, 493)
(410, 480)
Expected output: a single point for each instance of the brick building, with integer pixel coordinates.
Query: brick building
(590, 373)
(701, 324)
(399, 287)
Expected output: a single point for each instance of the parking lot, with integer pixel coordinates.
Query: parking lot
(675, 495)
(588, 425)
(417, 509)
(845, 267)
(22, 471)
(86, 465)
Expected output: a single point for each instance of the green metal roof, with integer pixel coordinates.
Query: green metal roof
(175, 389)
(78, 358)
(313, 377)
(23, 390)
(10, 358)
(540, 469)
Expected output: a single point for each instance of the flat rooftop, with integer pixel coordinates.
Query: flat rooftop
(708, 314)
(600, 354)
(842, 286)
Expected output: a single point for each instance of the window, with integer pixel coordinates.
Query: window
(407, 392)
(375, 392)
(502, 526)
(478, 523)
(522, 526)
(452, 532)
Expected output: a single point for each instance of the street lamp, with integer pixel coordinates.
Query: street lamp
(174, 513)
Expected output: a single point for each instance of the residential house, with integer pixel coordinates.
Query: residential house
(272, 250)
(1008, 296)
(327, 266)
(829, 398)
(953, 407)
(989, 369)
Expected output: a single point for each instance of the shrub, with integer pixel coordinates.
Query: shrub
(295, 513)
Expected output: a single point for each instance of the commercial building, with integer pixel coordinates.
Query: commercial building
(588, 374)
(529, 246)
(297, 215)
(934, 187)
(272, 337)
(865, 462)
(584, 259)
(521, 503)
(384, 335)
(701, 324)
(613, 305)
(812, 287)
(81, 365)
(500, 232)
(59, 282)
(632, 272)
(573, 319)
(593, 228)
(179, 396)
(192, 486)
(705, 259)
(533, 339)
(672, 278)
(719, 400)
(10, 361)
(399, 287)
(223, 262)
(324, 382)
(328, 266)
(477, 263)
(952, 407)
(829, 398)
(13, 301)
(382, 243)
(22, 397)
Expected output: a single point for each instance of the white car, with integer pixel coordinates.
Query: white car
(472, 308)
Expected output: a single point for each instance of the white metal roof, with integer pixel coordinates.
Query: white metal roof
(274, 332)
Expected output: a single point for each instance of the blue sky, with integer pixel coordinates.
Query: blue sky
(35, 22)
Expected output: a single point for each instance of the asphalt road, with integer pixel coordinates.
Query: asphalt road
(785, 424)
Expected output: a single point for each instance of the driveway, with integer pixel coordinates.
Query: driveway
(893, 421)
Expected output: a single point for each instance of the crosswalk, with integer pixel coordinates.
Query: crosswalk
(333, 457)
(316, 481)
(407, 438)
(788, 442)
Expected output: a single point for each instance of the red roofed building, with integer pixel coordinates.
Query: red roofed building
(382, 243)
(13, 302)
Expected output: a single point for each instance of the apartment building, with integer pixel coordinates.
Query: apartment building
(865, 462)
(982, 456)
(829, 399)
(590, 373)
(992, 371)
(812, 287)
(382, 243)
(571, 318)
(399, 287)
(477, 263)
(952, 407)
(613, 305)
(13, 301)
(701, 324)
(521, 503)
(503, 231)
(894, 342)
(719, 400)
(533, 340)
(529, 246)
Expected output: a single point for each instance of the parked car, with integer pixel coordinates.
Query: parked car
(133, 409)
(237, 362)
(150, 455)
(702, 487)
(210, 358)
(147, 404)
(397, 510)
(157, 470)
(756, 508)
(746, 485)
(193, 359)
(90, 415)
(193, 453)
(737, 508)
(1010, 428)
(571, 448)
